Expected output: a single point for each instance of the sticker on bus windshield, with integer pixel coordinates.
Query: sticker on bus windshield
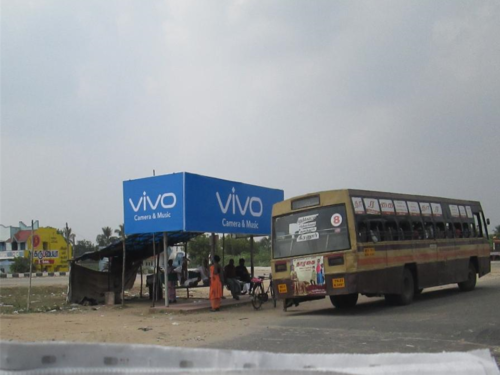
(462, 211)
(425, 208)
(413, 207)
(387, 206)
(305, 227)
(308, 276)
(469, 212)
(358, 206)
(436, 209)
(454, 210)
(336, 220)
(401, 208)
(372, 207)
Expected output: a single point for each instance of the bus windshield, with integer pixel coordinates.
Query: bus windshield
(311, 232)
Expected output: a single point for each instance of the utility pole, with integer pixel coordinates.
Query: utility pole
(31, 264)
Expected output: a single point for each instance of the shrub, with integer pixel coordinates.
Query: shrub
(20, 265)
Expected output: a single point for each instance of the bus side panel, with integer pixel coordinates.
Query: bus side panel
(484, 258)
(377, 281)
(484, 265)
(427, 274)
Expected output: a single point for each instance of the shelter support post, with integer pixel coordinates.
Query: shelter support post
(123, 274)
(223, 247)
(154, 271)
(212, 250)
(251, 256)
(140, 293)
(165, 245)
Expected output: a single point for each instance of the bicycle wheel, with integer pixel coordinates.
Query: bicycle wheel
(256, 300)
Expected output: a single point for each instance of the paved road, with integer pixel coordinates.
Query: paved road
(441, 319)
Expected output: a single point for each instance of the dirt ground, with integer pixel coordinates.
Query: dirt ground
(134, 323)
(51, 319)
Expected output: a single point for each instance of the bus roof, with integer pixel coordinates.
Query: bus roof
(334, 196)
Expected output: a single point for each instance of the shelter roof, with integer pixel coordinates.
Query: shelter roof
(139, 246)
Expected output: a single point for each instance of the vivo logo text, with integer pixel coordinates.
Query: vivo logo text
(252, 204)
(167, 200)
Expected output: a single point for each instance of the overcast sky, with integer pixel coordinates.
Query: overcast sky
(400, 96)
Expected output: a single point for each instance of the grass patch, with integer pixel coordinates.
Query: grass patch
(43, 298)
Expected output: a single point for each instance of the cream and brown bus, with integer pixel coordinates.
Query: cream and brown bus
(343, 243)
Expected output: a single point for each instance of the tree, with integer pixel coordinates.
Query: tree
(83, 247)
(106, 238)
(198, 249)
(265, 245)
(236, 246)
(20, 265)
(120, 231)
(497, 230)
(68, 235)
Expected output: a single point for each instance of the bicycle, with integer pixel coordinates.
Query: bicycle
(259, 295)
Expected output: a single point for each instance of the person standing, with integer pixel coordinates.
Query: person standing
(172, 281)
(215, 284)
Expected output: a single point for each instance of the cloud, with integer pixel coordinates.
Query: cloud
(302, 96)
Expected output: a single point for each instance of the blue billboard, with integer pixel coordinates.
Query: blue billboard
(194, 203)
(154, 204)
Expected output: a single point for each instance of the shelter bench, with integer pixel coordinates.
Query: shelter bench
(150, 280)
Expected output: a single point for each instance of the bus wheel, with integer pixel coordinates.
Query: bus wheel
(470, 283)
(406, 297)
(344, 301)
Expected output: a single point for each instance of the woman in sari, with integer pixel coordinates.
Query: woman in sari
(215, 284)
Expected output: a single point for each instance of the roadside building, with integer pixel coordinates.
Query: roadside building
(51, 250)
(12, 244)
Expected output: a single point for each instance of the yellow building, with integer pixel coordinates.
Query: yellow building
(51, 250)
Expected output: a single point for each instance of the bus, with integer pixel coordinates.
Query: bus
(343, 243)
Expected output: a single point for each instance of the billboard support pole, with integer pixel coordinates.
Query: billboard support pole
(251, 256)
(123, 271)
(165, 243)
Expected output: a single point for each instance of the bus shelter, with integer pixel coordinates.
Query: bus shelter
(162, 211)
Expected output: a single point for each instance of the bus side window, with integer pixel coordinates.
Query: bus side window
(466, 228)
(429, 230)
(417, 230)
(478, 225)
(376, 232)
(440, 230)
(449, 230)
(391, 230)
(473, 232)
(404, 230)
(458, 230)
(362, 231)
